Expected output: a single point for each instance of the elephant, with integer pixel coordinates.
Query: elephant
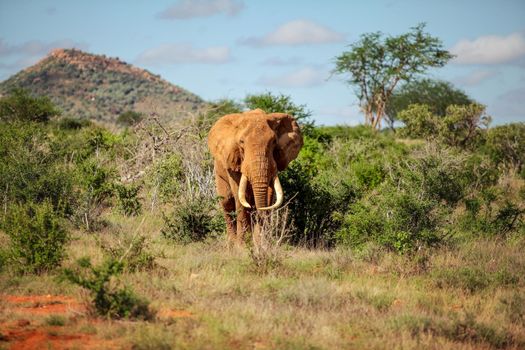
(249, 149)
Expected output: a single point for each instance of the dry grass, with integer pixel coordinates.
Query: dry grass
(469, 297)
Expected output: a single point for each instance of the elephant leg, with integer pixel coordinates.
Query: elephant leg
(228, 205)
(243, 223)
(227, 202)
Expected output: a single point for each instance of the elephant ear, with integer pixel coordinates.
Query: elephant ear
(289, 138)
(222, 144)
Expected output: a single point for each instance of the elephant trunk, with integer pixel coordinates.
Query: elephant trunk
(260, 194)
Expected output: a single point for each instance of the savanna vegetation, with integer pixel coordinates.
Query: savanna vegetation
(404, 238)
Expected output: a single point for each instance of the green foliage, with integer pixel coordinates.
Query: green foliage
(29, 169)
(409, 208)
(192, 220)
(271, 103)
(37, 237)
(19, 105)
(127, 199)
(129, 118)
(167, 176)
(132, 251)
(375, 65)
(96, 186)
(506, 145)
(492, 212)
(109, 299)
(68, 123)
(420, 121)
(435, 94)
(461, 126)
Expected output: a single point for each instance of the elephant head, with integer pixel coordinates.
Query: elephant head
(256, 145)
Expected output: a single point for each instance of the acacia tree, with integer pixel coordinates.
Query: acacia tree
(376, 64)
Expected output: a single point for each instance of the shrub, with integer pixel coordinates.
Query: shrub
(270, 232)
(192, 220)
(108, 298)
(506, 145)
(96, 186)
(129, 118)
(37, 237)
(128, 200)
(419, 121)
(19, 105)
(30, 171)
(132, 251)
(408, 210)
(461, 126)
(167, 177)
(68, 123)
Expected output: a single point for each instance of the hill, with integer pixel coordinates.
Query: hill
(101, 88)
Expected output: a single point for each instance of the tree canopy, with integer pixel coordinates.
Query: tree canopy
(375, 65)
(436, 94)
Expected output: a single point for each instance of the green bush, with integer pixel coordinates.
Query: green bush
(37, 237)
(128, 200)
(96, 186)
(19, 105)
(129, 118)
(166, 177)
(68, 123)
(132, 251)
(462, 126)
(192, 220)
(108, 298)
(506, 145)
(410, 207)
(30, 171)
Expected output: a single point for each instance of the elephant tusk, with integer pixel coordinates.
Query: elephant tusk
(278, 192)
(242, 191)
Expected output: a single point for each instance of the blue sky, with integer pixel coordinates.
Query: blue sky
(231, 48)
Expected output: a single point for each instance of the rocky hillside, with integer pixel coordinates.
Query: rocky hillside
(101, 88)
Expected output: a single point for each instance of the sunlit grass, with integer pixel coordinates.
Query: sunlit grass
(469, 296)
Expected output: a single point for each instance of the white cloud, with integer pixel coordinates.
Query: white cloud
(184, 53)
(305, 77)
(476, 77)
(185, 9)
(298, 32)
(490, 49)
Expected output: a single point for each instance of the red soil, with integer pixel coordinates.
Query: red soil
(27, 328)
(25, 334)
(44, 304)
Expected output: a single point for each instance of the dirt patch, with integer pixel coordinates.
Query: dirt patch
(33, 333)
(43, 304)
(50, 338)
